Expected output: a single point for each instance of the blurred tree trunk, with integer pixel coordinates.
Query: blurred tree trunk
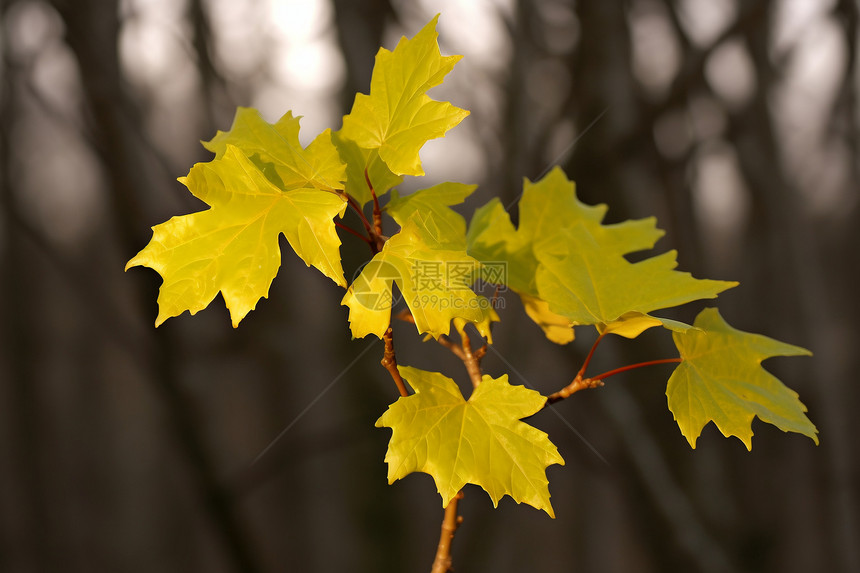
(92, 32)
(360, 30)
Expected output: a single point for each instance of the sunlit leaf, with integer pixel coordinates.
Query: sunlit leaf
(480, 440)
(360, 161)
(436, 201)
(569, 268)
(277, 145)
(233, 246)
(721, 380)
(587, 284)
(433, 278)
(398, 117)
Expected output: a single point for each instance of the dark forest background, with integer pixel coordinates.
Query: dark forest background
(126, 448)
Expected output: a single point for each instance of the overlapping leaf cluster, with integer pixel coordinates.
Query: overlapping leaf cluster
(566, 265)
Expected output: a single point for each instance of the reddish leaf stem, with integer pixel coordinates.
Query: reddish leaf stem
(358, 211)
(450, 523)
(590, 354)
(377, 211)
(349, 229)
(580, 383)
(633, 366)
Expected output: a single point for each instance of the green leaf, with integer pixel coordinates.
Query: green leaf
(480, 440)
(493, 238)
(569, 269)
(357, 161)
(398, 117)
(433, 278)
(233, 246)
(589, 284)
(318, 166)
(450, 226)
(721, 380)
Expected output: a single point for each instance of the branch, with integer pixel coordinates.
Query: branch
(377, 211)
(450, 523)
(377, 216)
(389, 361)
(471, 359)
(452, 346)
(581, 383)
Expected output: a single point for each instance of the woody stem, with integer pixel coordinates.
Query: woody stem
(389, 361)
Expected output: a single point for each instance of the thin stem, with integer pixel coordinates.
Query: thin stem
(377, 211)
(471, 360)
(580, 383)
(349, 229)
(389, 361)
(633, 366)
(450, 523)
(451, 345)
(590, 354)
(358, 211)
(406, 316)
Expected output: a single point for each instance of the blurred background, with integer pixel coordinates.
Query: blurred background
(126, 448)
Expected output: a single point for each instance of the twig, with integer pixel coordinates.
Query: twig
(406, 316)
(470, 359)
(581, 383)
(450, 523)
(452, 346)
(389, 361)
(377, 235)
(377, 211)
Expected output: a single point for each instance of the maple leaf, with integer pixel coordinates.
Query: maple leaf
(492, 237)
(480, 440)
(434, 207)
(721, 379)
(233, 246)
(358, 161)
(433, 277)
(550, 214)
(493, 240)
(398, 117)
(448, 225)
(589, 284)
(275, 147)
